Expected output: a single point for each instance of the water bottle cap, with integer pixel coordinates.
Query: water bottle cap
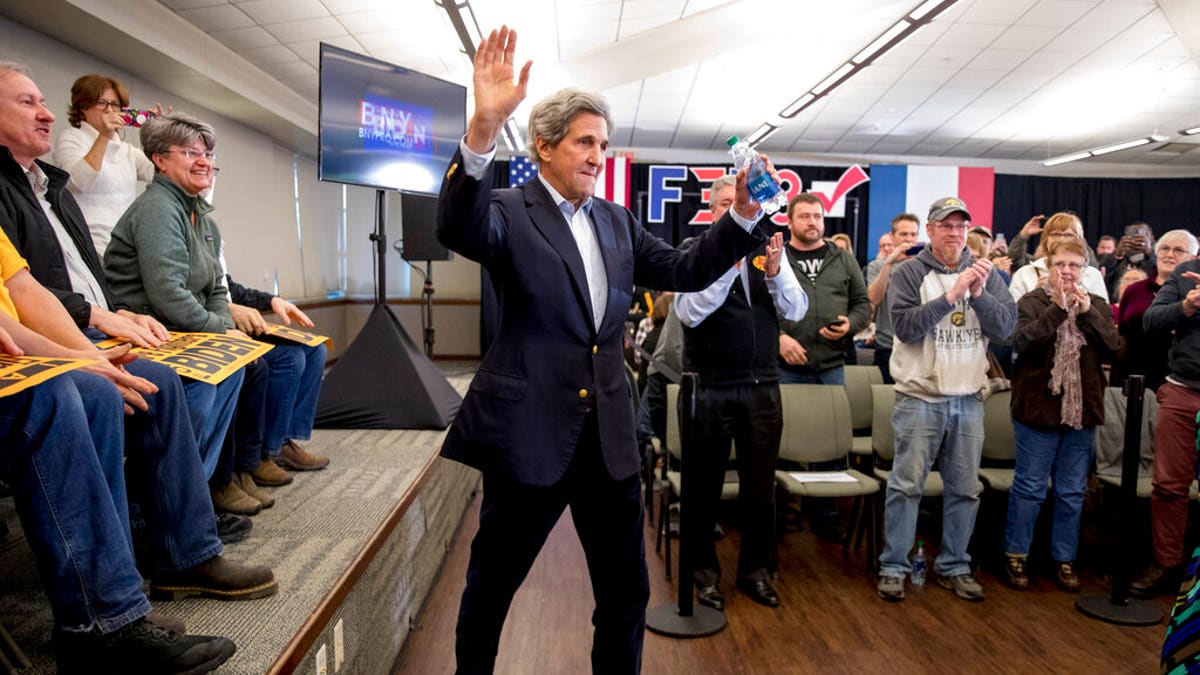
(732, 141)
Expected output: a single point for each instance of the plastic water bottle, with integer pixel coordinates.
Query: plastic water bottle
(769, 195)
(917, 576)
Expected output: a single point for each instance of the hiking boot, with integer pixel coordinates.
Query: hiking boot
(269, 474)
(231, 499)
(231, 528)
(1066, 578)
(964, 586)
(1155, 581)
(294, 458)
(141, 647)
(246, 482)
(1014, 572)
(890, 588)
(216, 578)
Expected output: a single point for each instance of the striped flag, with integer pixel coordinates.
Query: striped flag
(520, 170)
(614, 182)
(899, 188)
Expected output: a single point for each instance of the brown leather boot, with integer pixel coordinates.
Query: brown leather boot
(231, 499)
(294, 458)
(217, 578)
(246, 482)
(269, 474)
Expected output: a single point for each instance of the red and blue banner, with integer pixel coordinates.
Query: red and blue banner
(899, 188)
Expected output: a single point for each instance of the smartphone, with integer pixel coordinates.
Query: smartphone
(914, 250)
(135, 118)
(833, 325)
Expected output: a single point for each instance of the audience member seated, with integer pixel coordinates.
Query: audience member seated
(1174, 309)
(105, 170)
(1059, 226)
(61, 452)
(183, 552)
(44, 222)
(1146, 353)
(1063, 336)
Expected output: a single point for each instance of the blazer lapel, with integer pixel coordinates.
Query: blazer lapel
(602, 222)
(551, 223)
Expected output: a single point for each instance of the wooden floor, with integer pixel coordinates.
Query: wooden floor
(829, 621)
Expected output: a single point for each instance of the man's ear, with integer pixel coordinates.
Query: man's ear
(543, 148)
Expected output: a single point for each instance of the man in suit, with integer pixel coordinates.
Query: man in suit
(547, 418)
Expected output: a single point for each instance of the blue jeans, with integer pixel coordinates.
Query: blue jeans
(952, 429)
(1064, 454)
(165, 475)
(834, 375)
(295, 387)
(211, 409)
(60, 451)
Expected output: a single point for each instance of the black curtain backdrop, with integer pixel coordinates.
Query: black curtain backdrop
(1105, 205)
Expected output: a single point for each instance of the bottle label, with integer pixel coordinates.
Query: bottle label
(762, 187)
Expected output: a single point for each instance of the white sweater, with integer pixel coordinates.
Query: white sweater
(1026, 279)
(105, 194)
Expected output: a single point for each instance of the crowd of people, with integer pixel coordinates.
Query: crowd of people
(102, 239)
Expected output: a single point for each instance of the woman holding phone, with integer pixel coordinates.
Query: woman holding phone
(105, 170)
(1058, 227)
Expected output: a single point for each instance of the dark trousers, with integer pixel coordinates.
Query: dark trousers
(751, 417)
(245, 441)
(514, 521)
(883, 359)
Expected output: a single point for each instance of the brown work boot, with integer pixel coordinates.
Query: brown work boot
(216, 578)
(294, 458)
(1014, 572)
(1066, 578)
(246, 482)
(231, 499)
(269, 474)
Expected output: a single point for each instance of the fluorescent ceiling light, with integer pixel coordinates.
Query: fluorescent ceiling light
(872, 50)
(1125, 145)
(1063, 159)
(843, 71)
(1190, 132)
(761, 134)
(927, 7)
(797, 105)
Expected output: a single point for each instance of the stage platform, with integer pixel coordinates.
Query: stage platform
(355, 548)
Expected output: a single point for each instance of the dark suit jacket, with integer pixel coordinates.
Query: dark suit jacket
(526, 406)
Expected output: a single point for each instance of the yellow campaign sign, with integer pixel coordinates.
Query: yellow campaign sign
(303, 337)
(207, 357)
(18, 373)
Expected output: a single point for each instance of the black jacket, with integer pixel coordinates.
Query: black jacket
(250, 297)
(25, 223)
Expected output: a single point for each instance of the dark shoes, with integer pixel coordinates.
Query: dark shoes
(710, 596)
(216, 578)
(760, 591)
(231, 528)
(294, 458)
(1155, 581)
(1015, 574)
(141, 647)
(1065, 577)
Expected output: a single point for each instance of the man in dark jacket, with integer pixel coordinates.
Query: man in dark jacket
(729, 333)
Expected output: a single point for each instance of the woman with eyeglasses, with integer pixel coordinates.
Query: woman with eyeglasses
(105, 170)
(1146, 353)
(1064, 334)
(1057, 227)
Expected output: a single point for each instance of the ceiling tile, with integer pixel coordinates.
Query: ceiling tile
(969, 35)
(348, 6)
(244, 38)
(1120, 14)
(938, 56)
(192, 4)
(307, 29)
(1031, 38)
(278, 11)
(217, 17)
(976, 78)
(273, 54)
(1000, 59)
(927, 75)
(1055, 13)
(369, 22)
(289, 69)
(310, 50)
(1001, 13)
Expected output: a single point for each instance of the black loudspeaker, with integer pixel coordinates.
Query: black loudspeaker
(418, 223)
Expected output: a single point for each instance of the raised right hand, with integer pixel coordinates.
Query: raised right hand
(112, 121)
(496, 95)
(1033, 226)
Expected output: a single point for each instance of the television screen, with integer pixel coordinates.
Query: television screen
(384, 126)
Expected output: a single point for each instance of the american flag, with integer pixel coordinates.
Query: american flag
(613, 184)
(520, 170)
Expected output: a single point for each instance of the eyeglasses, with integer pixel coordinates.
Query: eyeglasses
(108, 105)
(194, 155)
(1173, 249)
(952, 226)
(1064, 265)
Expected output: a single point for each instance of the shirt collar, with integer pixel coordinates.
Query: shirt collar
(38, 179)
(561, 201)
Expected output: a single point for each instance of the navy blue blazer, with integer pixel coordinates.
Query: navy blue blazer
(523, 414)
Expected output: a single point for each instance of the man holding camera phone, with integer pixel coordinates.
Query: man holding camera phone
(1134, 251)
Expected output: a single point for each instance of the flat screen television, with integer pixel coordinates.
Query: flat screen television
(385, 126)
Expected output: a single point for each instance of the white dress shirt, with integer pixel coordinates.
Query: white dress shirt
(83, 281)
(790, 300)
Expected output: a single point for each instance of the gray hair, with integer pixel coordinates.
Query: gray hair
(551, 117)
(177, 128)
(728, 180)
(1187, 238)
(7, 67)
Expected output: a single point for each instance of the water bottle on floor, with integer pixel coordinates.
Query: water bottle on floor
(917, 576)
(769, 195)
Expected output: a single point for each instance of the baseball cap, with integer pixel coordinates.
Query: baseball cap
(981, 230)
(947, 205)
